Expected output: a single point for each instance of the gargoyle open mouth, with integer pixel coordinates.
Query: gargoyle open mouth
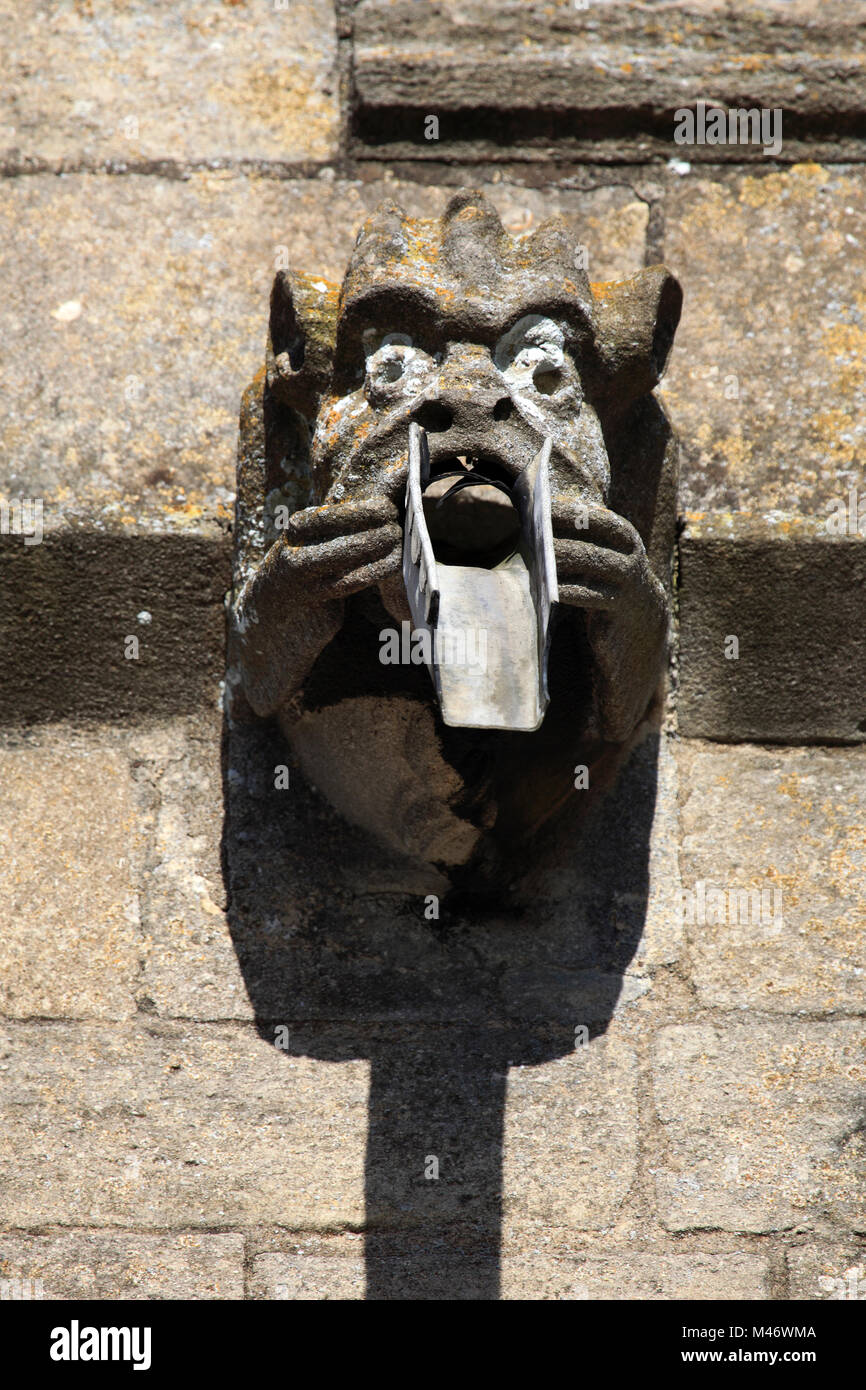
(473, 470)
(499, 457)
(471, 512)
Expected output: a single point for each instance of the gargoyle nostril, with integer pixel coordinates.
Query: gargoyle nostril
(502, 408)
(434, 417)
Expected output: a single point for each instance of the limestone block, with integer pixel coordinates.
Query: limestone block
(71, 848)
(763, 1125)
(766, 377)
(788, 823)
(127, 85)
(611, 1276)
(202, 1127)
(115, 1265)
(586, 1273)
(571, 1137)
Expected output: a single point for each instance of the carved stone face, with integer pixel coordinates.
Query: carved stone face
(492, 403)
(492, 345)
(484, 340)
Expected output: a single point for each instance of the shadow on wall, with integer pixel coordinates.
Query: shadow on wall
(332, 939)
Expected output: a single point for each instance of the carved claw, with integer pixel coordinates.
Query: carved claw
(343, 547)
(292, 607)
(602, 567)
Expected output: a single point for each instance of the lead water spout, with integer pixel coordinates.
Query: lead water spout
(486, 631)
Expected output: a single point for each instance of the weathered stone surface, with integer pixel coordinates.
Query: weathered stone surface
(789, 592)
(71, 846)
(787, 821)
(570, 1149)
(598, 80)
(623, 1275)
(133, 411)
(537, 1275)
(763, 1125)
(767, 374)
(215, 1127)
(119, 84)
(823, 1271)
(202, 1128)
(191, 968)
(148, 298)
(115, 1265)
(307, 1277)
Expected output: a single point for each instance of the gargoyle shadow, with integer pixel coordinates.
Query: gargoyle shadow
(333, 942)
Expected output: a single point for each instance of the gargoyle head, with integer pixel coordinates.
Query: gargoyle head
(491, 343)
(499, 349)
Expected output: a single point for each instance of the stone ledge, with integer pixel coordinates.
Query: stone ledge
(70, 604)
(791, 593)
(789, 590)
(602, 82)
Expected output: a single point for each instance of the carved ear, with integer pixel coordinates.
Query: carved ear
(301, 339)
(635, 323)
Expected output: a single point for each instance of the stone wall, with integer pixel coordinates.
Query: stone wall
(231, 1039)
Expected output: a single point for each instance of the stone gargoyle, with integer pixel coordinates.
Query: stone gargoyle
(540, 498)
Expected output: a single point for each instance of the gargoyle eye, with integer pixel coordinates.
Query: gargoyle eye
(393, 367)
(531, 352)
